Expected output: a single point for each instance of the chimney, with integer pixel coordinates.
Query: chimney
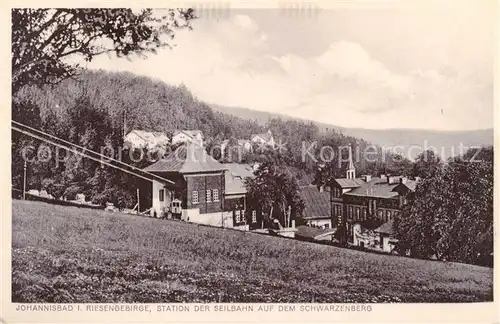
(403, 180)
(393, 179)
(321, 188)
(366, 177)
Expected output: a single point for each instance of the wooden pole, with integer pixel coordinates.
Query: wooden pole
(138, 204)
(24, 181)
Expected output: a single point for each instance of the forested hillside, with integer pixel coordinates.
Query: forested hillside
(94, 109)
(446, 142)
(147, 104)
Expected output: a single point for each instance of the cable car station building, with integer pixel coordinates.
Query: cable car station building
(198, 193)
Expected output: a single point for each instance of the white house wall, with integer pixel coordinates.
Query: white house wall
(159, 206)
(212, 219)
(320, 222)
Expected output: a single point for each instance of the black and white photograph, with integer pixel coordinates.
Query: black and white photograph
(294, 154)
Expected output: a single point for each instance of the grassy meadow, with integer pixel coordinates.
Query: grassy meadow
(71, 254)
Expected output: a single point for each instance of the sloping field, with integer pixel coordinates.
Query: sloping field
(70, 254)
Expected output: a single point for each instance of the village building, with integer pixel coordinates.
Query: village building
(246, 145)
(187, 136)
(365, 207)
(198, 189)
(263, 139)
(236, 201)
(144, 139)
(204, 190)
(317, 206)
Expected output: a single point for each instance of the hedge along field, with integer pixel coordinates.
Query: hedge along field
(70, 254)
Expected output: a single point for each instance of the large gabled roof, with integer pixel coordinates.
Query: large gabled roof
(349, 183)
(265, 136)
(385, 228)
(317, 204)
(190, 133)
(235, 178)
(376, 187)
(148, 136)
(188, 158)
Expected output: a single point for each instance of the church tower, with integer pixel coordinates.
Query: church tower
(351, 170)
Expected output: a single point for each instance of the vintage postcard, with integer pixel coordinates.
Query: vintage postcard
(249, 161)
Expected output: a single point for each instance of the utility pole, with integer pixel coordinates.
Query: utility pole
(124, 130)
(138, 203)
(24, 181)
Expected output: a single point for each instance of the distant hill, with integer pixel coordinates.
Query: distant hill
(446, 142)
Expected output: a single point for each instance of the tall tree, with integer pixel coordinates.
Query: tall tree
(275, 192)
(451, 214)
(45, 40)
(427, 164)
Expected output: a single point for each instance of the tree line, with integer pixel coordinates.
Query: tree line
(450, 216)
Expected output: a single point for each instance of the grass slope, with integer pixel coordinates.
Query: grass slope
(70, 254)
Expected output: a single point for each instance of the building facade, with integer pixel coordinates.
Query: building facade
(206, 191)
(363, 208)
(144, 139)
(187, 136)
(317, 211)
(264, 139)
(199, 186)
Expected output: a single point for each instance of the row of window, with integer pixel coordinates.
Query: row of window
(360, 213)
(240, 216)
(337, 192)
(210, 195)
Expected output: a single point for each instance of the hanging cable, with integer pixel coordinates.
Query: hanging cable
(35, 133)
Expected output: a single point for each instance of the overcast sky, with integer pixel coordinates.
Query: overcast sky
(424, 66)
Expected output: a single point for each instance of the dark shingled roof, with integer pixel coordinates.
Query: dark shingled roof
(189, 158)
(317, 204)
(385, 228)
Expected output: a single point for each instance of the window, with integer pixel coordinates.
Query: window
(161, 194)
(209, 195)
(254, 216)
(327, 226)
(215, 194)
(195, 197)
(238, 216)
(380, 214)
(364, 213)
(357, 213)
(389, 214)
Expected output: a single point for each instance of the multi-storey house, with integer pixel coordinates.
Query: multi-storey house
(363, 208)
